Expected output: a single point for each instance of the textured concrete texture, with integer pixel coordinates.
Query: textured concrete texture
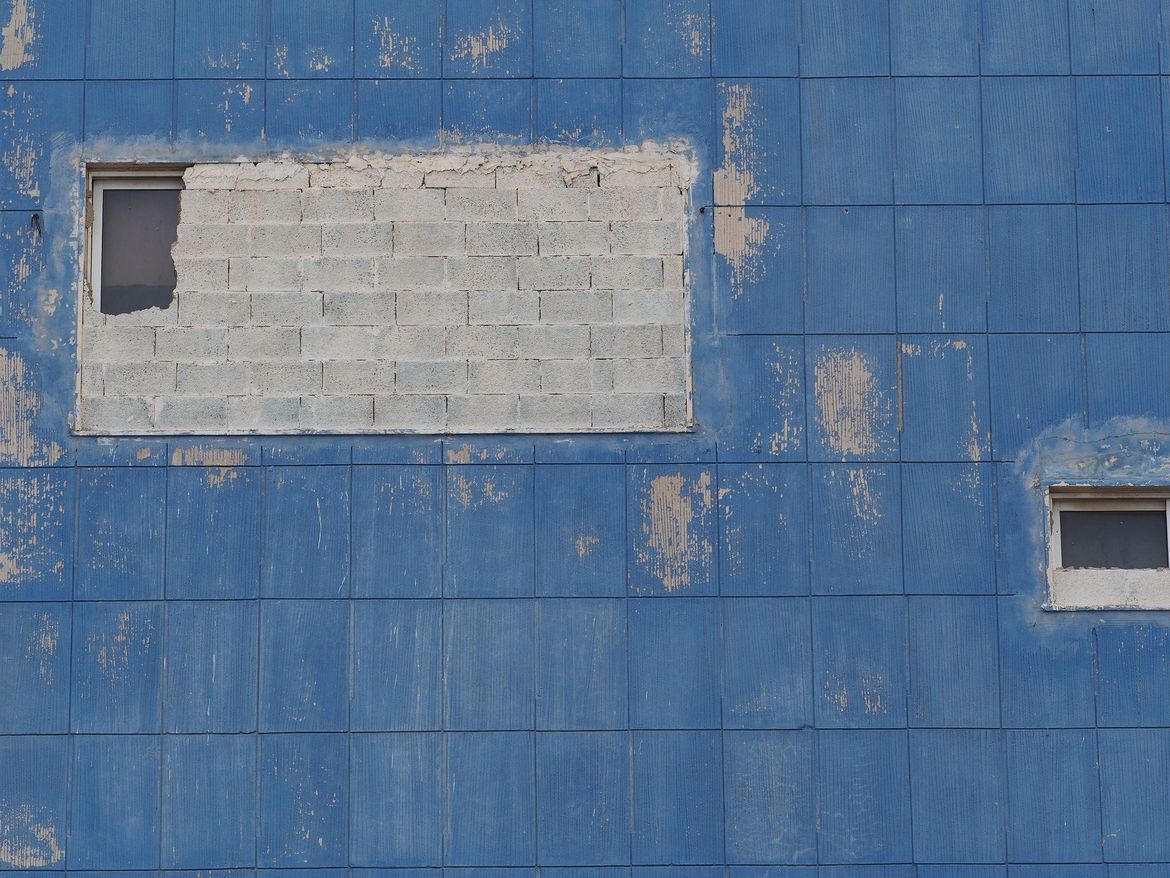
(499, 291)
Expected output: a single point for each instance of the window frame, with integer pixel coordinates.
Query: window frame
(1099, 588)
(97, 181)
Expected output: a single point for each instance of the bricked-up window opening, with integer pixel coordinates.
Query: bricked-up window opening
(1109, 547)
(135, 224)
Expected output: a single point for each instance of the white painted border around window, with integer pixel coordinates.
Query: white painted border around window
(1071, 588)
(99, 181)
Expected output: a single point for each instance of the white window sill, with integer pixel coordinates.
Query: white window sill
(1108, 589)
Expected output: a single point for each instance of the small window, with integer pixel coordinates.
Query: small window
(1109, 548)
(135, 223)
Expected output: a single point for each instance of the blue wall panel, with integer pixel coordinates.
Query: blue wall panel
(396, 799)
(616, 657)
(304, 800)
(35, 654)
(767, 662)
(582, 785)
(212, 655)
(942, 283)
(581, 664)
(770, 796)
(399, 641)
(208, 808)
(957, 781)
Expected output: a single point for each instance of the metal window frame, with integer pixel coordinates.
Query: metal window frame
(1099, 588)
(98, 180)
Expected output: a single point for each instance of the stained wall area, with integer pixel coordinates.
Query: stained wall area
(929, 276)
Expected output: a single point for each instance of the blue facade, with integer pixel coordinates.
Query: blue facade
(481, 656)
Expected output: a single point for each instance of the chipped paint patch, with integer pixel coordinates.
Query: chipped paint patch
(41, 646)
(17, 36)
(739, 238)
(786, 373)
(691, 28)
(865, 501)
(481, 48)
(112, 651)
(586, 543)
(852, 411)
(394, 49)
(472, 494)
(674, 515)
(198, 455)
(34, 506)
(28, 837)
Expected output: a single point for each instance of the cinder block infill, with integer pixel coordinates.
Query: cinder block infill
(500, 290)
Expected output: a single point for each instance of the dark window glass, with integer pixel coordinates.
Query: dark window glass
(1113, 539)
(139, 227)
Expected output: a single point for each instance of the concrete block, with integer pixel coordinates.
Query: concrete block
(650, 376)
(511, 307)
(280, 206)
(423, 343)
(358, 239)
(482, 413)
(416, 414)
(555, 414)
(109, 344)
(481, 205)
(616, 205)
(554, 273)
(647, 238)
(362, 309)
(647, 306)
(574, 239)
(576, 306)
(627, 273)
(212, 309)
(358, 377)
(428, 239)
(504, 376)
(402, 178)
(212, 379)
(264, 274)
(286, 309)
(263, 414)
(338, 206)
(481, 273)
(284, 240)
(558, 205)
(148, 317)
(93, 381)
(284, 379)
(409, 205)
(204, 206)
(409, 273)
(576, 376)
(212, 176)
(338, 176)
(554, 342)
(673, 273)
(625, 342)
(483, 342)
(501, 239)
(338, 414)
(344, 342)
(139, 379)
(201, 274)
(205, 240)
(619, 411)
(432, 377)
(264, 343)
(675, 407)
(674, 341)
(116, 415)
(337, 274)
(192, 415)
(185, 344)
(431, 307)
